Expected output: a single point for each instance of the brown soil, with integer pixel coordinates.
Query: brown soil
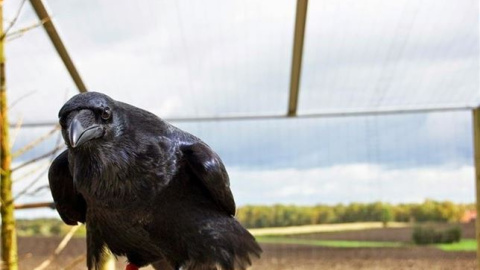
(34, 250)
(283, 257)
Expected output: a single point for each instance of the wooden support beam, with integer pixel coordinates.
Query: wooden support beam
(300, 21)
(476, 150)
(52, 33)
(35, 205)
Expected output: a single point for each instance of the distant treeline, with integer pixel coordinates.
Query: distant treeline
(258, 216)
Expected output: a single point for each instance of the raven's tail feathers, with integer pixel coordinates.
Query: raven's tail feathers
(230, 247)
(242, 249)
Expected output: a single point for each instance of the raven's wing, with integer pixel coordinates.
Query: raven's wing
(69, 203)
(209, 169)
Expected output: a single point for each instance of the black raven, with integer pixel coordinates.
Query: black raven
(145, 189)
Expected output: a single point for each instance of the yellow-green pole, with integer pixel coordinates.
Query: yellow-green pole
(9, 237)
(107, 261)
(476, 150)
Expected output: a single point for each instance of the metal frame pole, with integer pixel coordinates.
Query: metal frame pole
(476, 150)
(299, 35)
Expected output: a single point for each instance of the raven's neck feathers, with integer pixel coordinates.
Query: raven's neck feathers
(97, 172)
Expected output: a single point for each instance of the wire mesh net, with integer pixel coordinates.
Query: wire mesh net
(356, 185)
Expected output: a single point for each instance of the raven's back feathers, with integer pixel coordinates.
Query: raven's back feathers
(209, 169)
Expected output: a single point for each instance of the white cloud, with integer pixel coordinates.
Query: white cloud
(350, 183)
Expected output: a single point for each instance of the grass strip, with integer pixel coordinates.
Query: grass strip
(463, 245)
(328, 243)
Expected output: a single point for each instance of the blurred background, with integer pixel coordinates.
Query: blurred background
(366, 162)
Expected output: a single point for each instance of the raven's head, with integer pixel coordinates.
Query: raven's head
(89, 118)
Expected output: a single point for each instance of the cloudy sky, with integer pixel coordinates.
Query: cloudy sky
(222, 58)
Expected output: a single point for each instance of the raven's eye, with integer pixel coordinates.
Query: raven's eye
(107, 113)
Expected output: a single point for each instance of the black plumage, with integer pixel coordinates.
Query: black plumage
(145, 189)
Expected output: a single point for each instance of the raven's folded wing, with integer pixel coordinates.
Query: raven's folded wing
(70, 205)
(209, 169)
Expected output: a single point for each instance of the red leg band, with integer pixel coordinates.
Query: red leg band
(131, 266)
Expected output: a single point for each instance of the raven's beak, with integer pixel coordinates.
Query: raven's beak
(79, 135)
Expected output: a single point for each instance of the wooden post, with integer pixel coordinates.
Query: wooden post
(476, 150)
(298, 37)
(9, 237)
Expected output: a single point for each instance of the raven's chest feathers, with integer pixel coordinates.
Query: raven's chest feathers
(120, 184)
(118, 173)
